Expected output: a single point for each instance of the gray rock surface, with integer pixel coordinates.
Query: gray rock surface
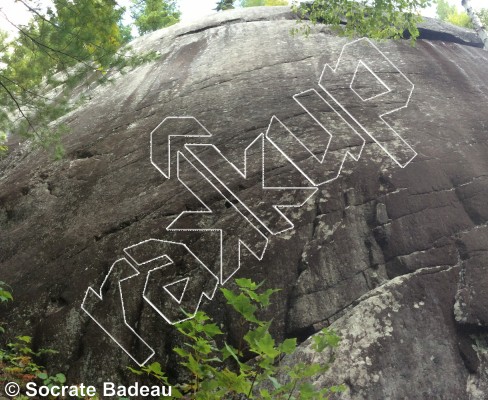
(431, 28)
(395, 258)
(397, 340)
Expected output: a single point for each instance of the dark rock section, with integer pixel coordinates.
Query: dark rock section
(396, 259)
(433, 29)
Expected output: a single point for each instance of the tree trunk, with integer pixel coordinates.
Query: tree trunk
(478, 26)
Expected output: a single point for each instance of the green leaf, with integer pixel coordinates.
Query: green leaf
(61, 378)
(338, 388)
(307, 390)
(176, 393)
(135, 371)
(228, 294)
(275, 382)
(5, 295)
(263, 298)
(254, 335)
(266, 346)
(42, 375)
(245, 283)
(229, 351)
(193, 365)
(26, 339)
(311, 370)
(181, 352)
(242, 304)
(236, 383)
(155, 368)
(323, 339)
(212, 330)
(288, 346)
(202, 346)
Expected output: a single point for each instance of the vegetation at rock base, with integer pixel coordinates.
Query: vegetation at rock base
(18, 361)
(253, 369)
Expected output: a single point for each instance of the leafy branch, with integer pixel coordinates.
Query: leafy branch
(376, 19)
(254, 369)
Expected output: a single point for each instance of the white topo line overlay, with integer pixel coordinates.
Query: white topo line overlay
(328, 70)
(194, 166)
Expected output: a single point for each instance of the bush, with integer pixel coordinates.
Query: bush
(222, 372)
(18, 359)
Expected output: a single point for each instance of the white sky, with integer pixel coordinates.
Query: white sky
(190, 9)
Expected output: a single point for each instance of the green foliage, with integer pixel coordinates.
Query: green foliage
(257, 3)
(229, 4)
(377, 19)
(59, 379)
(5, 295)
(460, 19)
(151, 15)
(125, 32)
(53, 53)
(18, 359)
(223, 5)
(444, 9)
(449, 13)
(251, 370)
(483, 16)
(17, 363)
(86, 30)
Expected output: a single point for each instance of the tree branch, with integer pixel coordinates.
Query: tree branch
(19, 108)
(34, 11)
(43, 45)
(478, 26)
(23, 88)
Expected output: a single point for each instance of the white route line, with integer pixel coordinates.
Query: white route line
(243, 174)
(371, 135)
(100, 297)
(208, 210)
(258, 255)
(186, 280)
(323, 159)
(167, 174)
(145, 296)
(388, 90)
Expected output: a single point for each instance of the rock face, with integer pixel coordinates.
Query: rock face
(394, 258)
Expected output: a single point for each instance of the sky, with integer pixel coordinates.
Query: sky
(190, 9)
